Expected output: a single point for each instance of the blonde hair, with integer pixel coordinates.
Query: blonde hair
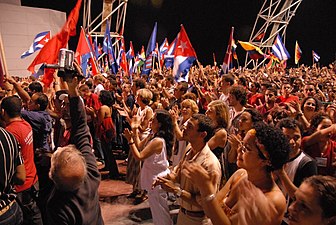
(191, 103)
(222, 113)
(146, 96)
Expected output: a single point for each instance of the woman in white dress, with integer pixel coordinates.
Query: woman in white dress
(154, 152)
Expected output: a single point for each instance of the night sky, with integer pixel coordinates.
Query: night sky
(208, 24)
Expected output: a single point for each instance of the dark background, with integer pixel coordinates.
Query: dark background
(208, 24)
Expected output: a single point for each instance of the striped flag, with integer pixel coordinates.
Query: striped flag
(316, 57)
(39, 41)
(279, 49)
(298, 52)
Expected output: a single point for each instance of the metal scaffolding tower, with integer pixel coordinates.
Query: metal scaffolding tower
(273, 19)
(114, 11)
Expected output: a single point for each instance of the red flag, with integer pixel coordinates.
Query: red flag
(82, 47)
(123, 61)
(259, 37)
(228, 55)
(49, 53)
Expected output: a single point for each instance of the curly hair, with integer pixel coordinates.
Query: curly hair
(275, 143)
(222, 113)
(240, 93)
(325, 187)
(105, 97)
(166, 130)
(255, 115)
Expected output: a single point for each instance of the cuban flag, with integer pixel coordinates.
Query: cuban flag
(185, 56)
(39, 41)
(108, 49)
(279, 49)
(316, 56)
(169, 56)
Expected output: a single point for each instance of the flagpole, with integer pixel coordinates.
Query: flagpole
(3, 59)
(313, 57)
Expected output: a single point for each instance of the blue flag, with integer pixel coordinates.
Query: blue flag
(108, 49)
(150, 48)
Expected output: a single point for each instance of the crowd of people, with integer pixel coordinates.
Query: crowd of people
(253, 146)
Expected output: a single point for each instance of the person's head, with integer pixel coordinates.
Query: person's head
(277, 114)
(189, 95)
(38, 102)
(218, 111)
(65, 106)
(68, 168)
(309, 90)
(188, 108)
(286, 88)
(270, 95)
(315, 202)
(264, 147)
(144, 96)
(293, 131)
(126, 87)
(310, 104)
(237, 95)
(181, 89)
(11, 106)
(34, 87)
(162, 126)
(138, 83)
(227, 81)
(199, 128)
(84, 90)
(248, 118)
(319, 121)
(105, 97)
(98, 79)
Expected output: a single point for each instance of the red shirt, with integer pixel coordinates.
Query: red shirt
(23, 132)
(282, 99)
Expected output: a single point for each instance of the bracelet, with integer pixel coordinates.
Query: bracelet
(210, 197)
(131, 143)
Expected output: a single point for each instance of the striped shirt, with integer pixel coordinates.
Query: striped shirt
(10, 158)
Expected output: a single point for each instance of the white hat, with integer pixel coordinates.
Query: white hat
(62, 97)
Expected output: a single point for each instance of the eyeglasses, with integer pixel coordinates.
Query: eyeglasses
(245, 149)
(269, 95)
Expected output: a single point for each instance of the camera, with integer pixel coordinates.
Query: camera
(65, 66)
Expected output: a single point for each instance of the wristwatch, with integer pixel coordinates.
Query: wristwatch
(179, 192)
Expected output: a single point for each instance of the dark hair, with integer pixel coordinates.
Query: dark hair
(277, 114)
(316, 120)
(255, 115)
(275, 143)
(290, 123)
(240, 93)
(89, 83)
(273, 90)
(318, 104)
(42, 100)
(35, 86)
(325, 187)
(12, 106)
(204, 124)
(106, 98)
(228, 78)
(139, 83)
(166, 130)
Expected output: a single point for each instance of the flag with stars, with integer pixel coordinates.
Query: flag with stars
(39, 41)
(185, 56)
